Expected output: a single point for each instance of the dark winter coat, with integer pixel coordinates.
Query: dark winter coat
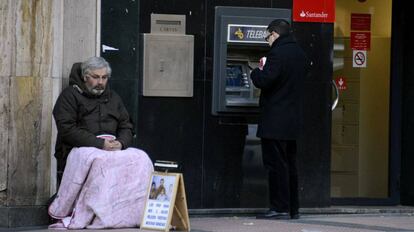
(81, 116)
(281, 85)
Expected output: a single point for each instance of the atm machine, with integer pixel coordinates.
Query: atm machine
(239, 43)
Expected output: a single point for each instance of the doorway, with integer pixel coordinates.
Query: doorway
(360, 121)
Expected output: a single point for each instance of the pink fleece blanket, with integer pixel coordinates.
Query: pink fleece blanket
(102, 189)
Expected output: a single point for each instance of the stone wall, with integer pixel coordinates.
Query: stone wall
(35, 57)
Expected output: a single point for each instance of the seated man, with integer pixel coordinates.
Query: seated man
(104, 180)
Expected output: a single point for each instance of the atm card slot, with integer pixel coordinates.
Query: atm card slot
(242, 102)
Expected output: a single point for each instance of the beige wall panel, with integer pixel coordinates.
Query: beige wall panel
(6, 39)
(79, 31)
(29, 146)
(34, 38)
(4, 135)
(57, 84)
(44, 153)
(57, 73)
(57, 28)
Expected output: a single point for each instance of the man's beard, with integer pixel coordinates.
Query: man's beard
(97, 90)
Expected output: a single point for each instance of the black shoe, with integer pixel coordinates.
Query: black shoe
(272, 214)
(295, 216)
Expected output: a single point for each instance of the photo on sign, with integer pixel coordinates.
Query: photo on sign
(162, 188)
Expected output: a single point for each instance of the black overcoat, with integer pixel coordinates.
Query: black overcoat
(281, 83)
(80, 117)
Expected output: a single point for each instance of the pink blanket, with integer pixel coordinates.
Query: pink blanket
(102, 189)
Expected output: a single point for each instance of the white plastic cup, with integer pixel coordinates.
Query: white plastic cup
(262, 62)
(106, 136)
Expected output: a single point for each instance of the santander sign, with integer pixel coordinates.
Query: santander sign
(314, 11)
(313, 14)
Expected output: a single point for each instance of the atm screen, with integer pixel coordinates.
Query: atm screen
(234, 76)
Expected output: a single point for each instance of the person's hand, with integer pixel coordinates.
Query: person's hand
(107, 144)
(116, 145)
(112, 145)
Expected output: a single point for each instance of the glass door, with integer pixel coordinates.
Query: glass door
(360, 121)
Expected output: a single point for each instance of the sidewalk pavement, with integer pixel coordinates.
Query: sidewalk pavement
(353, 222)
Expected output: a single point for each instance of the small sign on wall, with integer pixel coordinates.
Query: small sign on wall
(341, 83)
(361, 40)
(360, 22)
(359, 58)
(246, 33)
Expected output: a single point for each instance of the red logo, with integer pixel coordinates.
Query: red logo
(341, 83)
(314, 11)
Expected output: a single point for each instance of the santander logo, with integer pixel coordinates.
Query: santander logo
(307, 14)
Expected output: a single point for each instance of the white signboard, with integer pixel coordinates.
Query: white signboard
(359, 59)
(166, 206)
(159, 202)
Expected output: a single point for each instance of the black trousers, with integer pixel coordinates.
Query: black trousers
(279, 159)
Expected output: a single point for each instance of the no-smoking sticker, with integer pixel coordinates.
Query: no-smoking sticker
(359, 59)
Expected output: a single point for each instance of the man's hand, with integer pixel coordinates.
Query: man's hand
(112, 145)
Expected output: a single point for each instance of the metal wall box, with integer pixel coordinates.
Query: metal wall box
(167, 24)
(168, 58)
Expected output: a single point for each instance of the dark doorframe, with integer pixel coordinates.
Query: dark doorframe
(407, 99)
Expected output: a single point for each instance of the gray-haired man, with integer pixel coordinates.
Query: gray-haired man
(89, 114)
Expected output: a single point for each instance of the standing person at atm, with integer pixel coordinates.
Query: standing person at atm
(280, 77)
